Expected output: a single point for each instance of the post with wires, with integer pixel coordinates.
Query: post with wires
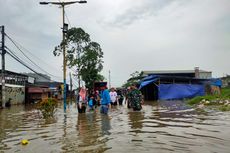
(3, 52)
(64, 30)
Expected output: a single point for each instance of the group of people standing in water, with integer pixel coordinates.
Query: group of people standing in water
(106, 99)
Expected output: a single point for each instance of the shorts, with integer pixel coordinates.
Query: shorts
(114, 103)
(104, 109)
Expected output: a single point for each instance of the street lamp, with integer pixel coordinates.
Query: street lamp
(64, 30)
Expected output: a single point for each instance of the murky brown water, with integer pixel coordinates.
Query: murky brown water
(162, 127)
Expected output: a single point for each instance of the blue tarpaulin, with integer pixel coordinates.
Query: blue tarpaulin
(216, 82)
(150, 77)
(148, 80)
(180, 91)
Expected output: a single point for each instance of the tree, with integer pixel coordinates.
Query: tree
(83, 54)
(135, 77)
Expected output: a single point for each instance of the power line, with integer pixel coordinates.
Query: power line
(67, 19)
(28, 57)
(12, 54)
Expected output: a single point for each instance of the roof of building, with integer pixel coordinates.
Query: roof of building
(50, 84)
(37, 90)
(13, 73)
(174, 71)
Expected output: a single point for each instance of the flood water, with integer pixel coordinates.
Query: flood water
(161, 127)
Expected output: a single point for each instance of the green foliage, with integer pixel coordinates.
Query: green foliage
(195, 100)
(224, 108)
(48, 107)
(92, 59)
(135, 77)
(83, 54)
(219, 102)
(225, 93)
(198, 99)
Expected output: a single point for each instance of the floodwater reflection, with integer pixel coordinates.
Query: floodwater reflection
(136, 119)
(165, 126)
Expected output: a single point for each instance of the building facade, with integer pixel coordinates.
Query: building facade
(174, 84)
(14, 87)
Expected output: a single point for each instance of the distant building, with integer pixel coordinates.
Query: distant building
(35, 93)
(15, 87)
(38, 77)
(30, 87)
(196, 73)
(226, 81)
(56, 88)
(174, 84)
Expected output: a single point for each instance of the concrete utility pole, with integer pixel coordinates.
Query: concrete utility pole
(64, 30)
(78, 71)
(3, 67)
(109, 80)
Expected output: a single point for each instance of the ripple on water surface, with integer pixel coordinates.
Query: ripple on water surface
(167, 126)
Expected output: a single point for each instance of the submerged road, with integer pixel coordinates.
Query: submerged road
(161, 127)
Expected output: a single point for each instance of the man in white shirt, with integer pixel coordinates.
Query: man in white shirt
(113, 96)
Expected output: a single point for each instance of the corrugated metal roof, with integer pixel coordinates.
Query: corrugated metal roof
(37, 90)
(14, 73)
(173, 71)
(13, 85)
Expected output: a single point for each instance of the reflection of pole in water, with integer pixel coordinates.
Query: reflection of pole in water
(64, 125)
(71, 87)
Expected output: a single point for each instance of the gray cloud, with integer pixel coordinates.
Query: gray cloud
(141, 11)
(134, 35)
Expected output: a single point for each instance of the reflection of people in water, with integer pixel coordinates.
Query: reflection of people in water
(89, 132)
(105, 124)
(136, 119)
(84, 128)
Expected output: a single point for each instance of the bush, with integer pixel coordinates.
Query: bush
(48, 107)
(224, 108)
(195, 100)
(225, 93)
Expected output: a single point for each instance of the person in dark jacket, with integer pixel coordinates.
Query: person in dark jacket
(120, 97)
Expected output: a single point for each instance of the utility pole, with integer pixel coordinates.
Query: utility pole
(3, 67)
(79, 81)
(109, 80)
(64, 30)
(78, 70)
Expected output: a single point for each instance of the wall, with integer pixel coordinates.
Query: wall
(205, 75)
(226, 81)
(16, 93)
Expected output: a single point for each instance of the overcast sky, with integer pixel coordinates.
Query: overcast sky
(134, 35)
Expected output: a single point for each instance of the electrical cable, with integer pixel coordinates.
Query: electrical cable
(11, 53)
(28, 57)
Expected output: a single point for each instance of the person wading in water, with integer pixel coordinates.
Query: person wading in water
(81, 105)
(135, 98)
(105, 100)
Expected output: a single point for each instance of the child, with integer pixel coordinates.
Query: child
(90, 103)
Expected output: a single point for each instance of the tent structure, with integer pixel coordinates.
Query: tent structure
(173, 87)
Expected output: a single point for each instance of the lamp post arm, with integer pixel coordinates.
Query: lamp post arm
(62, 3)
